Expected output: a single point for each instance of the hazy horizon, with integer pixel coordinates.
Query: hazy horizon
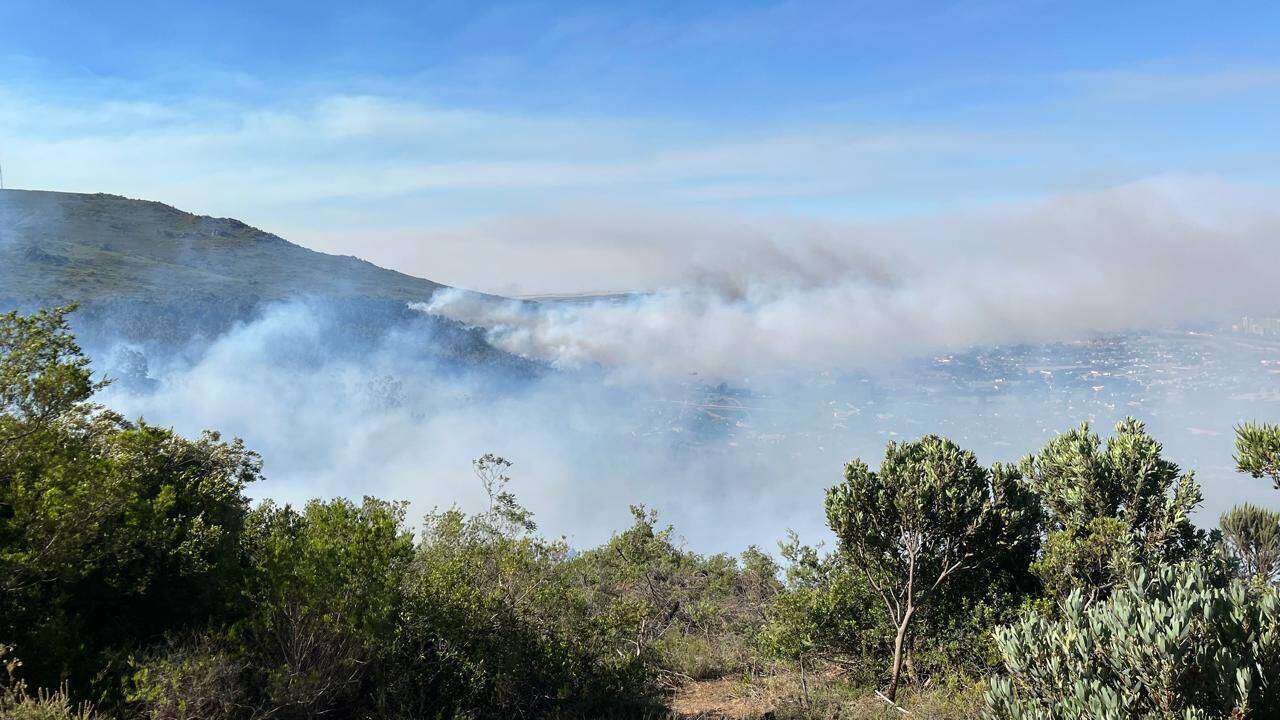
(526, 148)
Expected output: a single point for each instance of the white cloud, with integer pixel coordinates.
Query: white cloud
(269, 160)
(1155, 85)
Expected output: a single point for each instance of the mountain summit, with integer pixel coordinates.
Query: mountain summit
(58, 247)
(162, 281)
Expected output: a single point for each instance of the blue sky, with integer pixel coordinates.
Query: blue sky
(436, 137)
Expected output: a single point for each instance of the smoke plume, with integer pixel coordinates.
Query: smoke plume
(1152, 254)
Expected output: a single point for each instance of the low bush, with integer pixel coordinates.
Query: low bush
(1170, 644)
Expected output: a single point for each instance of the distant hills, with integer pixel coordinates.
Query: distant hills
(158, 277)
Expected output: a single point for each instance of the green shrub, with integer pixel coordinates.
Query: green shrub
(1111, 507)
(329, 590)
(696, 616)
(495, 625)
(1258, 451)
(1251, 535)
(199, 680)
(827, 613)
(1170, 644)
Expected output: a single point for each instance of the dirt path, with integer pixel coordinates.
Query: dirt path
(715, 700)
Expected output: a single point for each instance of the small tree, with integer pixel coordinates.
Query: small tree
(1111, 508)
(1258, 451)
(43, 373)
(1252, 536)
(929, 514)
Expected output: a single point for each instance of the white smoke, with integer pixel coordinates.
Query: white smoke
(631, 425)
(383, 421)
(727, 471)
(1152, 254)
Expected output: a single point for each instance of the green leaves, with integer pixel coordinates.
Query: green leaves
(1169, 644)
(43, 374)
(1258, 451)
(1251, 535)
(922, 511)
(111, 533)
(115, 533)
(1111, 507)
(928, 517)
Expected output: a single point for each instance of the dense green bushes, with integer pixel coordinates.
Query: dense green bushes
(697, 614)
(136, 575)
(350, 616)
(112, 533)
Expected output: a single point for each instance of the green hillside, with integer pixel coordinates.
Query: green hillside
(58, 247)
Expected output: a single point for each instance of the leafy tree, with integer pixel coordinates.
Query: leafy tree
(111, 533)
(929, 515)
(1168, 644)
(1258, 451)
(43, 373)
(1111, 508)
(1252, 537)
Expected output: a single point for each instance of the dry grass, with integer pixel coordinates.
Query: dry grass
(715, 699)
(822, 696)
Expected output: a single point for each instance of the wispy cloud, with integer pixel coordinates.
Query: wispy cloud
(479, 196)
(373, 147)
(1154, 85)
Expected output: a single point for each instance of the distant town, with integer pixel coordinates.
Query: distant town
(1269, 326)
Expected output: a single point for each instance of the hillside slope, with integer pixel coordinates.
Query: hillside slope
(164, 281)
(58, 247)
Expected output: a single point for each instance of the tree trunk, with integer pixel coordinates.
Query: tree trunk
(898, 649)
(804, 682)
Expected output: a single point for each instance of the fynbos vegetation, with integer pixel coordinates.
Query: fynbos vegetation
(137, 580)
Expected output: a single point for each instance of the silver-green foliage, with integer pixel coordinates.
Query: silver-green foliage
(1165, 645)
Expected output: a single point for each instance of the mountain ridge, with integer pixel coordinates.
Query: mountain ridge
(65, 247)
(163, 281)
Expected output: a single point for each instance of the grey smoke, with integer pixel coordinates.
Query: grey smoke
(386, 424)
(787, 320)
(1155, 253)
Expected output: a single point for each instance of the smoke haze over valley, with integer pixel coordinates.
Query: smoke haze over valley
(738, 392)
(695, 255)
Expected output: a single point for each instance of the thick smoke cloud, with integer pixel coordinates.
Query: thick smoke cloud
(817, 339)
(1147, 255)
(384, 421)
